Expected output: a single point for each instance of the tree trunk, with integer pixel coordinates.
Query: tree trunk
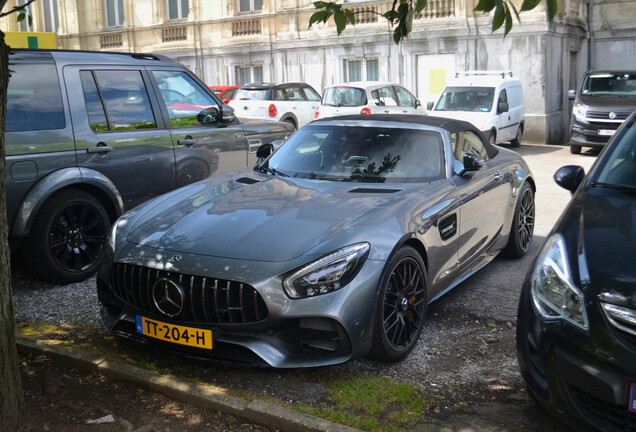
(11, 399)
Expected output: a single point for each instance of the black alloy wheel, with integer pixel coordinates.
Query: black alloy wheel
(522, 228)
(191, 170)
(68, 237)
(401, 306)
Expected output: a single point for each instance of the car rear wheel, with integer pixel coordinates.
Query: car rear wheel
(401, 306)
(191, 170)
(291, 122)
(492, 138)
(66, 242)
(575, 149)
(522, 228)
(516, 142)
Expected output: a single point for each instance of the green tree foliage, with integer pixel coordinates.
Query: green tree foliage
(403, 11)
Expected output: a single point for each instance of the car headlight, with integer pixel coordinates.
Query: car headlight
(327, 274)
(553, 292)
(580, 112)
(113, 234)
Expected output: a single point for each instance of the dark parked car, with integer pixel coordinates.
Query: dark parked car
(604, 101)
(91, 134)
(576, 327)
(330, 249)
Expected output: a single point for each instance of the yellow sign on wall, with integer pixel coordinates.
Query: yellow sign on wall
(437, 81)
(33, 40)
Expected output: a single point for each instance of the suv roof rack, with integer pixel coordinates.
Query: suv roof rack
(483, 73)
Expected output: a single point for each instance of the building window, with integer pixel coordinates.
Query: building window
(250, 5)
(114, 13)
(249, 74)
(177, 9)
(25, 26)
(363, 69)
(49, 15)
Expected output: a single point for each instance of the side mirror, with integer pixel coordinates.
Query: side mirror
(208, 116)
(418, 103)
(227, 114)
(471, 163)
(502, 107)
(430, 105)
(569, 177)
(264, 151)
(571, 94)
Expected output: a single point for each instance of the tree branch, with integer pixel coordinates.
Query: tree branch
(16, 9)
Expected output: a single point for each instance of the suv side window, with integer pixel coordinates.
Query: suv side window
(311, 94)
(466, 142)
(117, 100)
(404, 97)
(34, 98)
(184, 98)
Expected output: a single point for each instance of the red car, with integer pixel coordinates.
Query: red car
(226, 93)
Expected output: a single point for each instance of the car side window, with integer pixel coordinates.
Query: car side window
(384, 97)
(187, 103)
(34, 98)
(466, 142)
(121, 103)
(311, 94)
(290, 93)
(503, 96)
(404, 97)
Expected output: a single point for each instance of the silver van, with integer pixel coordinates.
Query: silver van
(92, 134)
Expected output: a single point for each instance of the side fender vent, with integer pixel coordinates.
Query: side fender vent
(373, 190)
(448, 226)
(247, 180)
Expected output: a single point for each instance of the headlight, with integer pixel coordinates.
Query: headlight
(580, 112)
(113, 235)
(553, 292)
(327, 274)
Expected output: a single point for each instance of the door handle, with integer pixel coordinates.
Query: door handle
(188, 141)
(100, 148)
(497, 176)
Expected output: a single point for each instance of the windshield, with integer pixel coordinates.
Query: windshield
(357, 153)
(470, 99)
(252, 94)
(619, 166)
(610, 84)
(344, 97)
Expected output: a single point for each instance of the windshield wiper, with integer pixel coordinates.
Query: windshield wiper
(273, 171)
(621, 188)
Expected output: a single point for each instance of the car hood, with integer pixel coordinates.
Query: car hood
(609, 103)
(606, 224)
(258, 217)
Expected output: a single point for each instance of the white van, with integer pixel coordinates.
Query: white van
(491, 100)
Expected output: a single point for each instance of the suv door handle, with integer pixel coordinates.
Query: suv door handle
(187, 141)
(99, 148)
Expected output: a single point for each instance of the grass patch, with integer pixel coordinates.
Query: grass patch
(42, 329)
(372, 404)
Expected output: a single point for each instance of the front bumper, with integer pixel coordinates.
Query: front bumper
(252, 321)
(592, 133)
(579, 379)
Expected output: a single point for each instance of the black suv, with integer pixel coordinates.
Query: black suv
(91, 134)
(604, 101)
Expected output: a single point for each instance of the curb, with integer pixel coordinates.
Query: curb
(256, 411)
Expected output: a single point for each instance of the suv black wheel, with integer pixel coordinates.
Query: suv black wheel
(401, 306)
(191, 170)
(522, 227)
(68, 236)
(575, 149)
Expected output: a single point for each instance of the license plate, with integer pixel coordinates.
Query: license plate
(632, 398)
(194, 337)
(606, 132)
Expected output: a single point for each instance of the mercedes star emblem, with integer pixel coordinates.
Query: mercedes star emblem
(612, 115)
(168, 297)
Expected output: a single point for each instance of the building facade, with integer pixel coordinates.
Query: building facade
(228, 42)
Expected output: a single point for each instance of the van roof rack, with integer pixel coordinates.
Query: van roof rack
(484, 73)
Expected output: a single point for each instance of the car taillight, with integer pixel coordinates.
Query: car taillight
(317, 109)
(272, 110)
(365, 110)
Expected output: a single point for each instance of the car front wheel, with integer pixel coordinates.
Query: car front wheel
(66, 242)
(401, 306)
(522, 228)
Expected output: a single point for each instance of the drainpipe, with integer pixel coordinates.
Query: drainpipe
(591, 42)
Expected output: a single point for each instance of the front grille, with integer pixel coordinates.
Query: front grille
(601, 125)
(605, 115)
(207, 300)
(604, 415)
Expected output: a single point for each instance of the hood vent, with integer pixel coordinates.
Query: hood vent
(374, 190)
(247, 180)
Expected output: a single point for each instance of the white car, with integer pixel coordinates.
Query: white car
(294, 103)
(368, 98)
(491, 100)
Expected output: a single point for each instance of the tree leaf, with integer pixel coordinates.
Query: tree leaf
(321, 16)
(341, 21)
(529, 5)
(508, 22)
(419, 6)
(498, 19)
(485, 6)
(351, 17)
(320, 4)
(553, 8)
(21, 16)
(397, 35)
(408, 23)
(391, 15)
